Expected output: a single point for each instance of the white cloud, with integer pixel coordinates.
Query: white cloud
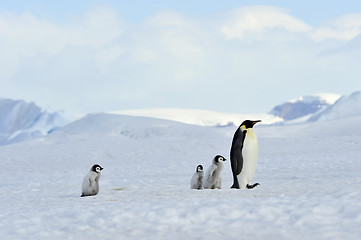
(257, 20)
(344, 28)
(24, 36)
(96, 62)
(169, 44)
(98, 28)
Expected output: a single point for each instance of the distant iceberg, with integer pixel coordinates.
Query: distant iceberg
(20, 121)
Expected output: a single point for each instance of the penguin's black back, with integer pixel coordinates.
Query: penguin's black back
(236, 151)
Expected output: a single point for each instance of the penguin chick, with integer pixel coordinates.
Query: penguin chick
(90, 186)
(213, 175)
(197, 179)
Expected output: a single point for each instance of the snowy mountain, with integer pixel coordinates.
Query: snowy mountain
(200, 117)
(20, 120)
(303, 107)
(309, 175)
(345, 107)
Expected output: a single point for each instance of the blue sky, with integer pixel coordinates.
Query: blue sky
(313, 12)
(230, 56)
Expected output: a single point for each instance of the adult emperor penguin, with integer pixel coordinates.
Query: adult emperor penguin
(197, 179)
(213, 177)
(244, 155)
(90, 186)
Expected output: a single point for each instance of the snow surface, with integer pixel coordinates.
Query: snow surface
(20, 121)
(309, 175)
(200, 117)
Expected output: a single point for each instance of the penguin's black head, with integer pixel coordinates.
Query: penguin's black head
(219, 159)
(249, 123)
(96, 168)
(199, 168)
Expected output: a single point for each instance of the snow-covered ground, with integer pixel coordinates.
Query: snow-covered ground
(309, 175)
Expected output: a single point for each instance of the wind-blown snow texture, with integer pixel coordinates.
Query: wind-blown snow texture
(20, 121)
(309, 175)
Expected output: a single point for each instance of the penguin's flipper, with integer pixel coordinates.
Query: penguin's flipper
(211, 172)
(210, 176)
(252, 186)
(236, 151)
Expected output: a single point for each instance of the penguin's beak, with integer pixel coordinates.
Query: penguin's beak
(254, 122)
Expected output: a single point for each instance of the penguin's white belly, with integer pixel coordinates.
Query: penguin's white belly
(250, 159)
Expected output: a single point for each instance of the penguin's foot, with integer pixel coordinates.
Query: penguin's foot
(252, 186)
(235, 185)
